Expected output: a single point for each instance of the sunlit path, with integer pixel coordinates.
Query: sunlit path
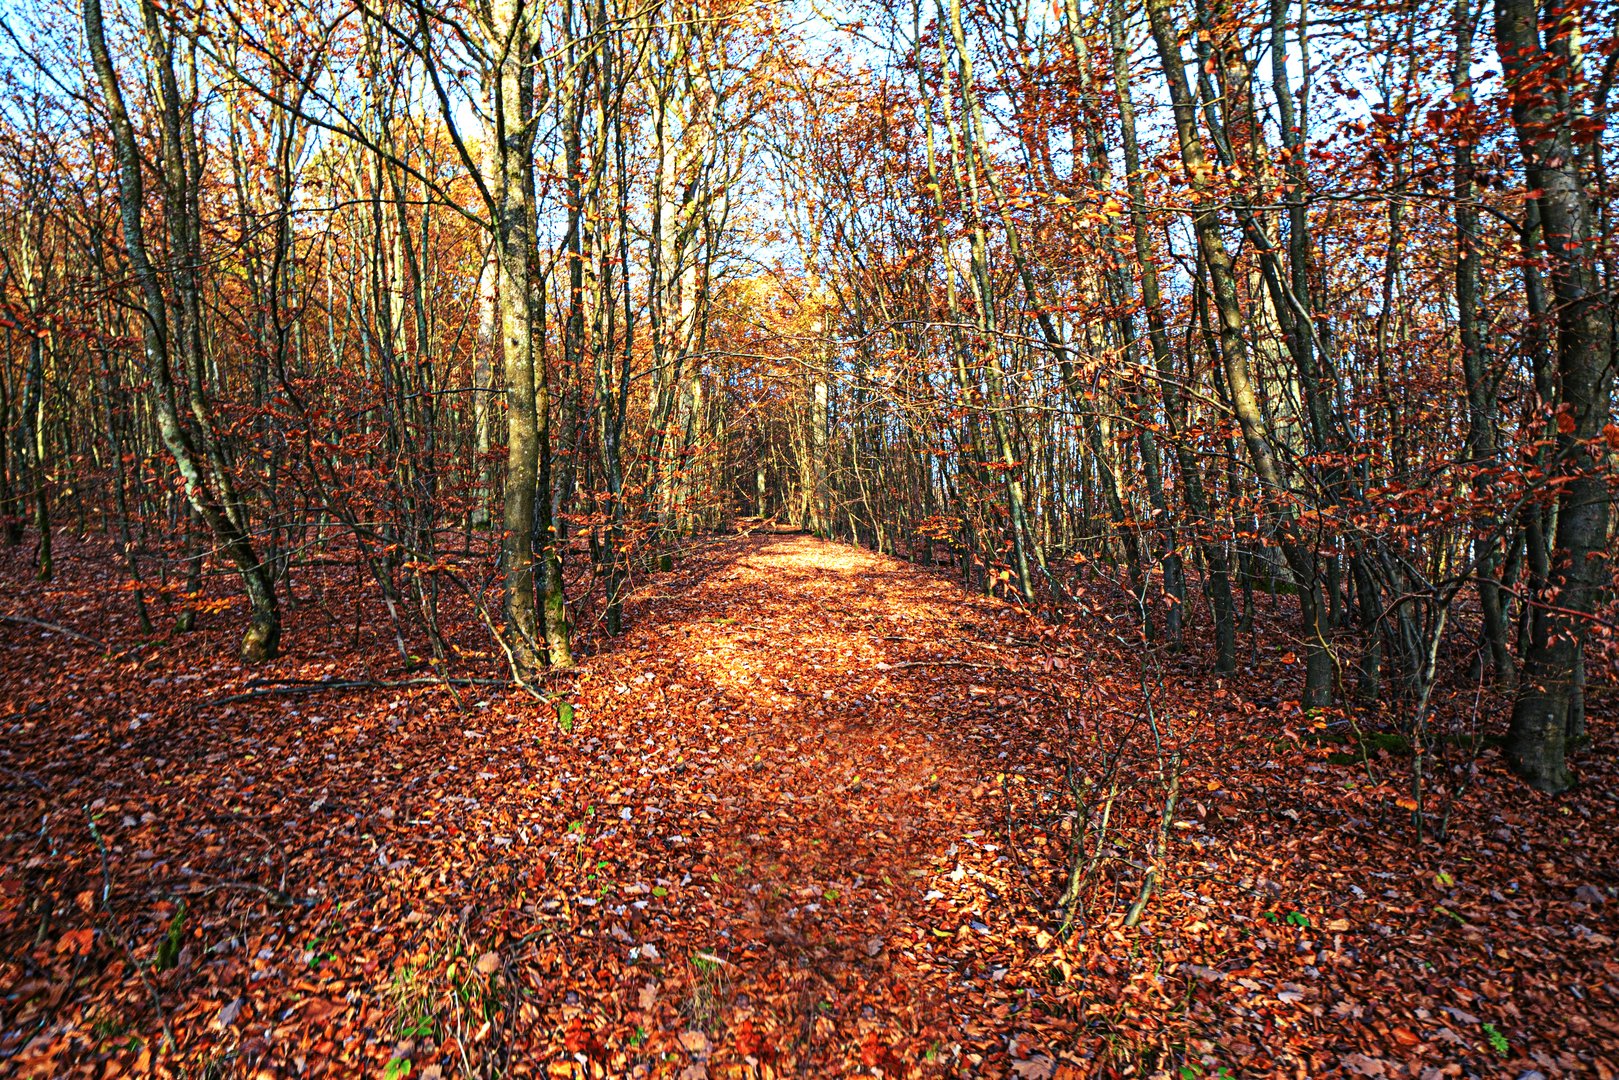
(812, 814)
(753, 538)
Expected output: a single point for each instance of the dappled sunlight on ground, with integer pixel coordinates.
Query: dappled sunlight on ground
(812, 814)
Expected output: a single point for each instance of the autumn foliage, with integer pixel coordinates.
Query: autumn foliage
(724, 538)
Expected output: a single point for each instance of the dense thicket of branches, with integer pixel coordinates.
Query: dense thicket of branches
(1167, 301)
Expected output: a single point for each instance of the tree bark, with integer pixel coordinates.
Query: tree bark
(1234, 353)
(263, 635)
(1548, 689)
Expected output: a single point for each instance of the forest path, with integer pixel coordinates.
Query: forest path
(819, 702)
(774, 832)
(811, 818)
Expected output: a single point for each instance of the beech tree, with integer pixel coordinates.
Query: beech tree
(1281, 329)
(1544, 77)
(190, 438)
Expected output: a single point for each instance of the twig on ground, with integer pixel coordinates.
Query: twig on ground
(24, 620)
(1160, 855)
(275, 896)
(118, 939)
(315, 686)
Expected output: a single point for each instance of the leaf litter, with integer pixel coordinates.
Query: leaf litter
(812, 815)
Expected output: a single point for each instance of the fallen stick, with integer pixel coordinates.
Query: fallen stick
(108, 927)
(315, 686)
(463, 681)
(24, 620)
(1161, 852)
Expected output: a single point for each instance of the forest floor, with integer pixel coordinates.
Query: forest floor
(812, 815)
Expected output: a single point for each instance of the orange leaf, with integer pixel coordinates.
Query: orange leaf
(749, 1042)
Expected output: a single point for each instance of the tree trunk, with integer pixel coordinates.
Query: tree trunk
(263, 635)
(1537, 740)
(1234, 353)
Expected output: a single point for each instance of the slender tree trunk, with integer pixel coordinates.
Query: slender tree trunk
(1216, 258)
(1218, 583)
(1548, 689)
(513, 106)
(264, 626)
(1481, 426)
